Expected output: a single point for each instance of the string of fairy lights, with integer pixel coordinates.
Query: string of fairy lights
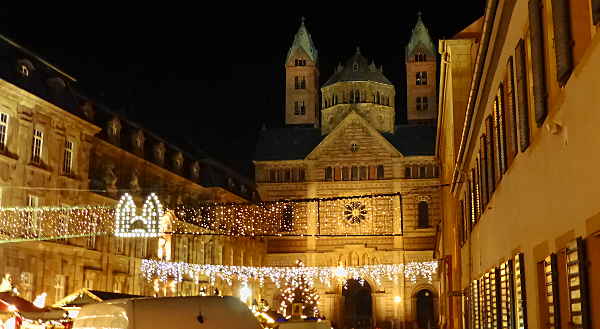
(178, 271)
(372, 215)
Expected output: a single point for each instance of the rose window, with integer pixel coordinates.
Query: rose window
(355, 212)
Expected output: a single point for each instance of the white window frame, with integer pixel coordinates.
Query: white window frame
(91, 241)
(68, 157)
(117, 285)
(3, 130)
(36, 148)
(88, 284)
(59, 286)
(33, 201)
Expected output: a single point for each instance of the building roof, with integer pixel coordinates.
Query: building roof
(289, 143)
(420, 39)
(295, 143)
(302, 40)
(413, 139)
(357, 68)
(85, 296)
(54, 86)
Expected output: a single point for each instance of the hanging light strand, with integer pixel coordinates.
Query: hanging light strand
(165, 271)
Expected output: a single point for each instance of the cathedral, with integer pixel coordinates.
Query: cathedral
(374, 182)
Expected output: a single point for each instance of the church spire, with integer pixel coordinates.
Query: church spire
(302, 40)
(420, 38)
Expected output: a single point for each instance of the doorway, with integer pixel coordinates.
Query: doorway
(425, 317)
(358, 306)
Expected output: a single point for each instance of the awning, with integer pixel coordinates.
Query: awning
(22, 305)
(85, 296)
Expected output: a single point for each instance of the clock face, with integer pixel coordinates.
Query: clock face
(355, 212)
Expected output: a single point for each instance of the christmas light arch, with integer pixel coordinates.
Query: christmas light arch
(128, 224)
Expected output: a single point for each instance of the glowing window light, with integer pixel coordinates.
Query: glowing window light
(245, 293)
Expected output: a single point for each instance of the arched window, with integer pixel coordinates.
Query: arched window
(355, 67)
(377, 100)
(380, 174)
(328, 173)
(423, 220)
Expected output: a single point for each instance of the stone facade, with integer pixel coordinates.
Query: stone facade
(421, 64)
(358, 154)
(106, 156)
(302, 81)
(376, 104)
(517, 139)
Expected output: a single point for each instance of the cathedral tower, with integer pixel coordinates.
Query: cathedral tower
(302, 81)
(421, 63)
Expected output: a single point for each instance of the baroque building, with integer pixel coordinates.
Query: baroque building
(60, 148)
(516, 135)
(343, 158)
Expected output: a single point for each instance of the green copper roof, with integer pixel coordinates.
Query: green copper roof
(303, 41)
(357, 68)
(420, 38)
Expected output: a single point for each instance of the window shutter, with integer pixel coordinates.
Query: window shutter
(523, 102)
(520, 292)
(463, 222)
(537, 59)
(596, 11)
(482, 173)
(477, 178)
(551, 293)
(562, 40)
(470, 204)
(475, 196)
(577, 284)
(491, 156)
(511, 112)
(497, 299)
(501, 128)
(475, 305)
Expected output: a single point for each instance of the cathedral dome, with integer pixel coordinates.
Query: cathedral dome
(357, 68)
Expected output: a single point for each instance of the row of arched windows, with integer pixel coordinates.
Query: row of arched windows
(354, 173)
(355, 96)
(421, 171)
(285, 175)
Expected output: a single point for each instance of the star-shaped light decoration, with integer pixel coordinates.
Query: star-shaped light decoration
(355, 212)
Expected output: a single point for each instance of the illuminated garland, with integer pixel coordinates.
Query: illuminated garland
(165, 271)
(44, 223)
(272, 218)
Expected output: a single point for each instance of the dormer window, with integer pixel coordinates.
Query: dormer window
(24, 67)
(114, 128)
(355, 67)
(178, 160)
(159, 152)
(138, 140)
(24, 70)
(195, 170)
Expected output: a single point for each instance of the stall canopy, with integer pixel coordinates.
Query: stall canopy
(85, 296)
(22, 305)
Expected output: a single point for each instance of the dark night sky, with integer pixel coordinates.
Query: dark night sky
(214, 75)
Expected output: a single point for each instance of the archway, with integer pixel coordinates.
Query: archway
(358, 306)
(424, 304)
